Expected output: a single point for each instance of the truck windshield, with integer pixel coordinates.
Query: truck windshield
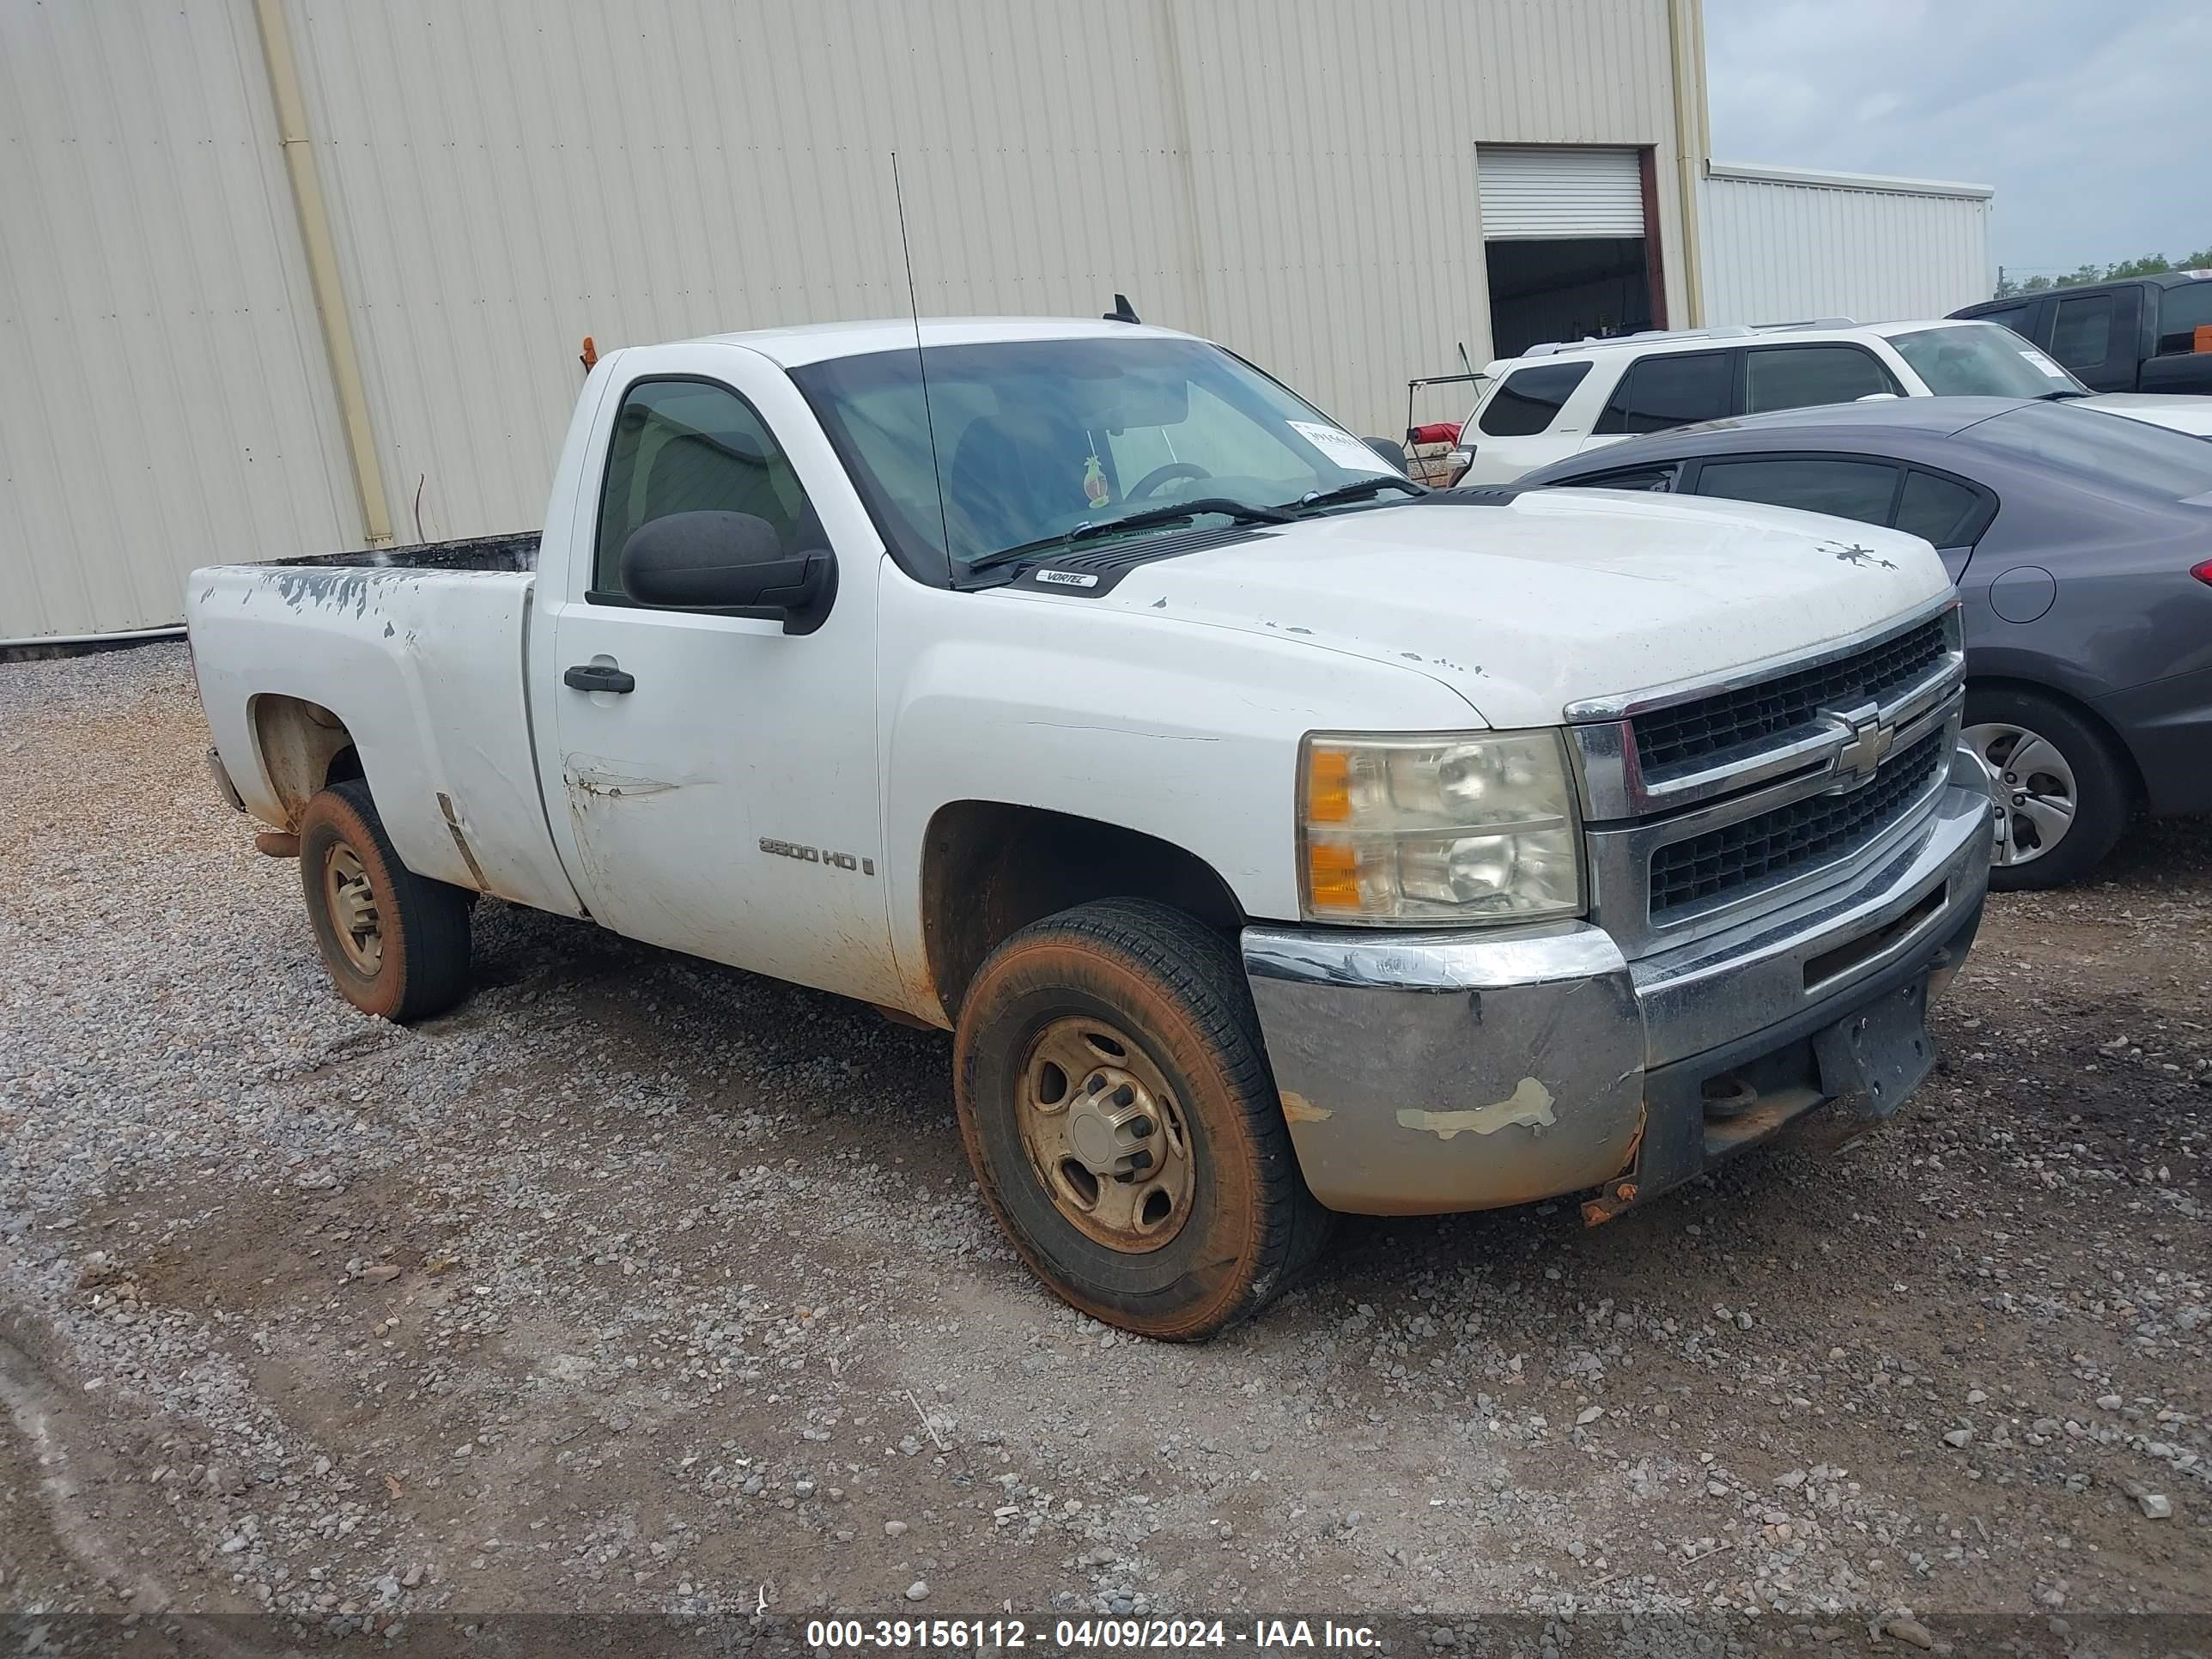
(1036, 438)
(1982, 360)
(2133, 455)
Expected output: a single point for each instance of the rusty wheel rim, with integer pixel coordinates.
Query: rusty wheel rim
(351, 901)
(1106, 1135)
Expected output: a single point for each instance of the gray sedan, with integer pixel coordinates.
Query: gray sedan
(2082, 545)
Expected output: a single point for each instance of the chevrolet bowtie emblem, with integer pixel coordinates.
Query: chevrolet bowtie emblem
(1870, 738)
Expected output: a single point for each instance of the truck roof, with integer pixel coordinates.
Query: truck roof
(1625, 348)
(814, 343)
(2067, 290)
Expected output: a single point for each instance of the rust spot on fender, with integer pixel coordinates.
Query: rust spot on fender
(1296, 1108)
(1530, 1104)
(921, 993)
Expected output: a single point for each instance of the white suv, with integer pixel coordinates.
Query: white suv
(1554, 401)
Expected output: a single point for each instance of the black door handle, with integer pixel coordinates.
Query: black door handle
(597, 677)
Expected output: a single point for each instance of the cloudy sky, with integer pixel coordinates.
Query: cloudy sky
(2084, 115)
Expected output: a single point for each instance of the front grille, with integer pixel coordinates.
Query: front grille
(1738, 859)
(1670, 740)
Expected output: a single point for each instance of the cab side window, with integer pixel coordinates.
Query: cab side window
(2181, 312)
(1670, 389)
(2019, 318)
(691, 447)
(2081, 337)
(1531, 398)
(1797, 377)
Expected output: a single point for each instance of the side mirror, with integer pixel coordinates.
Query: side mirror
(1390, 449)
(727, 564)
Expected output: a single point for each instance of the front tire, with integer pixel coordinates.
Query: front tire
(395, 944)
(2066, 791)
(1118, 1110)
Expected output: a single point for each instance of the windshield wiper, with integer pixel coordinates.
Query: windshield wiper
(1357, 490)
(1177, 511)
(1150, 518)
(2062, 392)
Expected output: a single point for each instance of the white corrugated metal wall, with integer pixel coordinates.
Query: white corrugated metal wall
(167, 394)
(1780, 245)
(1292, 177)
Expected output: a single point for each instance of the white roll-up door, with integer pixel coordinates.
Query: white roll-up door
(1536, 192)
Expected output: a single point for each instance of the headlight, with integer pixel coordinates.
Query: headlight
(1443, 826)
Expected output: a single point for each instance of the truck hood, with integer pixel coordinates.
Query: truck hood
(1556, 596)
(2184, 411)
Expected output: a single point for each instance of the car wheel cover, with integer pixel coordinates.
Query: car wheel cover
(2034, 786)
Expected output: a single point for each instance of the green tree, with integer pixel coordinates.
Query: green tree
(2150, 264)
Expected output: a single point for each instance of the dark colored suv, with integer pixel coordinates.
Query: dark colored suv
(2140, 334)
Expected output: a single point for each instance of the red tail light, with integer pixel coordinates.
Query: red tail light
(2203, 572)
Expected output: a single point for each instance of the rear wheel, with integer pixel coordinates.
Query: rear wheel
(2065, 793)
(1118, 1110)
(395, 944)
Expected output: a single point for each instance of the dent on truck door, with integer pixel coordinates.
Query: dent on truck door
(719, 774)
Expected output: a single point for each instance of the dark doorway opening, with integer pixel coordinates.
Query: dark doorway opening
(1565, 289)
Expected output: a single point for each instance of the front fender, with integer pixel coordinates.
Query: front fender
(1183, 732)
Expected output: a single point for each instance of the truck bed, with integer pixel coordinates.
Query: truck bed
(412, 658)
(516, 552)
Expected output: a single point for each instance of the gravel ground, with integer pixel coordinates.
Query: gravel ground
(639, 1286)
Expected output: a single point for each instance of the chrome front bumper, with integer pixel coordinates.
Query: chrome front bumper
(1454, 1071)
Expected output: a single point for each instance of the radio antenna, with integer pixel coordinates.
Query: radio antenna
(922, 369)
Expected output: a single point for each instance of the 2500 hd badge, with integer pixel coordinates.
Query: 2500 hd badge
(791, 849)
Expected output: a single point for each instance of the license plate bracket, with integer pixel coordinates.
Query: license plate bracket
(1879, 1052)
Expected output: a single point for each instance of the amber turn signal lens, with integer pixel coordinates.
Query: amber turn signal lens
(1332, 876)
(1328, 786)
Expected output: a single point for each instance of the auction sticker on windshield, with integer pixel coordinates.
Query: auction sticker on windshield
(1340, 447)
(2045, 363)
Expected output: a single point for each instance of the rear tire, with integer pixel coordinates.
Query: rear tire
(1118, 1110)
(395, 944)
(2058, 774)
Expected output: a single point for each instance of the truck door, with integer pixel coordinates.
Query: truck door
(712, 779)
(2182, 349)
(2094, 335)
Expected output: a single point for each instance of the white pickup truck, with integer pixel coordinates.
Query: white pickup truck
(1276, 836)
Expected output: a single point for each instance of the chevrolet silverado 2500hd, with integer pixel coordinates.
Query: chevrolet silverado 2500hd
(1276, 836)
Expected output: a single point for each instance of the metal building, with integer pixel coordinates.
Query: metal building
(286, 275)
(308, 274)
(1781, 244)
